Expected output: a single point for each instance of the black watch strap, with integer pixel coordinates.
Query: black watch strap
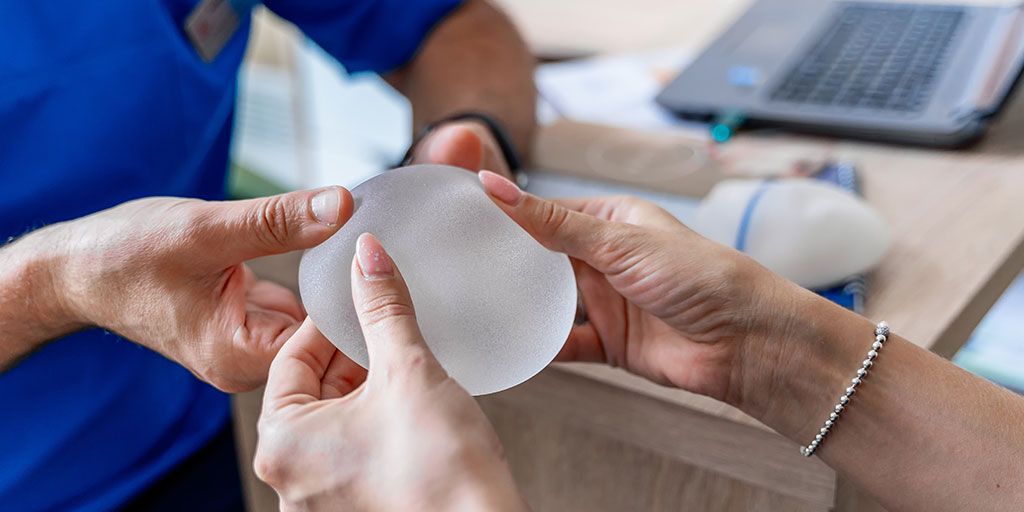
(504, 143)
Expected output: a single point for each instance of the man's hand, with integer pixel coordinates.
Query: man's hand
(467, 144)
(168, 273)
(473, 61)
(404, 437)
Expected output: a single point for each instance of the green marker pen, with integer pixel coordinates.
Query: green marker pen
(725, 124)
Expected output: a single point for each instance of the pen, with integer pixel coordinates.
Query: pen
(725, 124)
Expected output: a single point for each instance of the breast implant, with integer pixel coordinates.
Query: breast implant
(494, 305)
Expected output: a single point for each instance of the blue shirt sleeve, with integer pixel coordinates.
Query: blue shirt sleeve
(366, 35)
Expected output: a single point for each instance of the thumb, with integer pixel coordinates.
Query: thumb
(393, 340)
(277, 224)
(556, 227)
(454, 145)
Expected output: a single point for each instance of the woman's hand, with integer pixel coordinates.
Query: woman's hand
(168, 273)
(919, 434)
(661, 300)
(408, 438)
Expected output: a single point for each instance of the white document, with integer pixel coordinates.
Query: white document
(616, 90)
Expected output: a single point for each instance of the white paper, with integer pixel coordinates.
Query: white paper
(615, 90)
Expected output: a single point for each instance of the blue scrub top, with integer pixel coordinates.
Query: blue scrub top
(100, 103)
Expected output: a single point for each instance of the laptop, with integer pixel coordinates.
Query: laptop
(925, 74)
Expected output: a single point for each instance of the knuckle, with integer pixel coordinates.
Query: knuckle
(633, 210)
(219, 380)
(268, 467)
(649, 210)
(626, 200)
(217, 362)
(270, 462)
(636, 202)
(553, 217)
(616, 249)
(730, 274)
(386, 307)
(270, 221)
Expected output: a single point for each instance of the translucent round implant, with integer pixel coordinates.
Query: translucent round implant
(494, 305)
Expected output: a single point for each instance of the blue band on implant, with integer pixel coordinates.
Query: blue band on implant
(748, 213)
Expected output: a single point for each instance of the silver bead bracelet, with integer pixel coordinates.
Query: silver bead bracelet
(881, 334)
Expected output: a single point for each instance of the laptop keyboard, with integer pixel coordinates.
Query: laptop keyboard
(874, 56)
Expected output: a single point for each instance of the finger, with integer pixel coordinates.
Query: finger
(556, 227)
(272, 296)
(249, 275)
(594, 206)
(254, 344)
(297, 370)
(494, 159)
(247, 229)
(342, 377)
(393, 340)
(605, 317)
(623, 209)
(452, 144)
(583, 345)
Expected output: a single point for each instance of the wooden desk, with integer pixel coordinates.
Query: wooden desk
(585, 437)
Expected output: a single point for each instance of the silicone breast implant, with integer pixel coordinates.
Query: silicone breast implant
(494, 305)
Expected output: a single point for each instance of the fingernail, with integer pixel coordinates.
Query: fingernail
(326, 205)
(501, 188)
(373, 261)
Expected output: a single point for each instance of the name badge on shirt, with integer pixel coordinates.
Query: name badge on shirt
(212, 23)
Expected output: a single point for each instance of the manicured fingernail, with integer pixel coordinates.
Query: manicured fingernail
(326, 205)
(374, 262)
(501, 188)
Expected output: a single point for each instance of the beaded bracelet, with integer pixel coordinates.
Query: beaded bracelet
(881, 334)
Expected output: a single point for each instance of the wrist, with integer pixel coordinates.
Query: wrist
(35, 302)
(798, 360)
(48, 262)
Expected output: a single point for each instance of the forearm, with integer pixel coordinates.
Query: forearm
(918, 434)
(32, 310)
(473, 61)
